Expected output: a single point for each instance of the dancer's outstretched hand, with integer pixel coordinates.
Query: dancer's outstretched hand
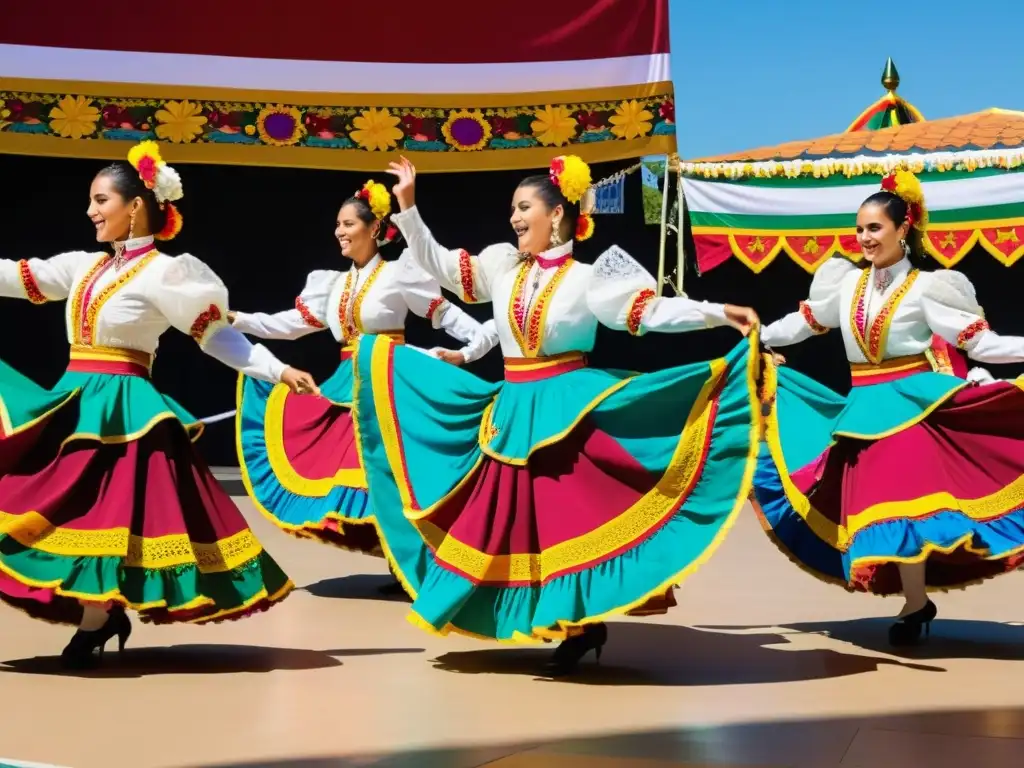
(743, 319)
(299, 382)
(452, 356)
(405, 188)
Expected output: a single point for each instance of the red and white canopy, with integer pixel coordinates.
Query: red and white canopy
(460, 85)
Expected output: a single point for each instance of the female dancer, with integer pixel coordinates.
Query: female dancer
(299, 456)
(105, 503)
(913, 481)
(565, 493)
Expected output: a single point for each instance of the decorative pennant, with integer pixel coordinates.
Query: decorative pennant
(610, 197)
(1005, 243)
(652, 171)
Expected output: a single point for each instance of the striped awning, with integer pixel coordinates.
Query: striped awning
(456, 86)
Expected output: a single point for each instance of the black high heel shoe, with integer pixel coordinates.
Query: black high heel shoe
(568, 655)
(80, 653)
(907, 631)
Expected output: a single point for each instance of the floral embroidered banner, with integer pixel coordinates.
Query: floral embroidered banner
(336, 89)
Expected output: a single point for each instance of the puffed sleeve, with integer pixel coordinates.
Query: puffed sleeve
(194, 300)
(41, 280)
(422, 293)
(308, 316)
(952, 311)
(819, 314)
(623, 296)
(469, 277)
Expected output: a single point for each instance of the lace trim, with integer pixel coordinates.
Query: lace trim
(307, 316)
(808, 315)
(29, 284)
(616, 264)
(970, 332)
(36, 532)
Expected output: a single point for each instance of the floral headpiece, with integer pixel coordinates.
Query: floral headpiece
(379, 199)
(907, 187)
(572, 176)
(163, 180)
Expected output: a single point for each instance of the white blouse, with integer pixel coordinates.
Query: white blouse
(894, 312)
(129, 303)
(552, 304)
(374, 298)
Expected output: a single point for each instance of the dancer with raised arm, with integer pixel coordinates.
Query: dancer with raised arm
(299, 456)
(913, 481)
(564, 494)
(104, 503)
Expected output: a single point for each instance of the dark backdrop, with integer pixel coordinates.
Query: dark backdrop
(264, 229)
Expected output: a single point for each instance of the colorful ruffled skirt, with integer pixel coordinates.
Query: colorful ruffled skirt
(562, 495)
(911, 466)
(301, 465)
(103, 499)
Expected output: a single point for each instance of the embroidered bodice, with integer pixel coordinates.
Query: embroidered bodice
(129, 301)
(551, 304)
(375, 298)
(895, 312)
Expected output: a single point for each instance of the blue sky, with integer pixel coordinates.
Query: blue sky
(750, 73)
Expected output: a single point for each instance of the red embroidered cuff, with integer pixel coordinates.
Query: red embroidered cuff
(28, 282)
(466, 275)
(637, 307)
(202, 324)
(435, 305)
(307, 316)
(808, 315)
(970, 332)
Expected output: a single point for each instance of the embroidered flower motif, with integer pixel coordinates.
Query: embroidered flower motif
(631, 120)
(74, 117)
(466, 130)
(180, 121)
(280, 126)
(376, 129)
(554, 126)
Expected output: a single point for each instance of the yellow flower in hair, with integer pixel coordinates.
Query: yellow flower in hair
(377, 197)
(572, 176)
(907, 187)
(145, 158)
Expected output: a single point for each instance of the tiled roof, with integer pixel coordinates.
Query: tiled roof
(991, 129)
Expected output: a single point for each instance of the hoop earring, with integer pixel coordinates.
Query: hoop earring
(131, 225)
(556, 236)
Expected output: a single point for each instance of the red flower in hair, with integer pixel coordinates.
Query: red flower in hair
(889, 182)
(392, 233)
(147, 171)
(363, 194)
(557, 166)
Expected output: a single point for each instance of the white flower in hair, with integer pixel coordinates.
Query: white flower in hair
(168, 186)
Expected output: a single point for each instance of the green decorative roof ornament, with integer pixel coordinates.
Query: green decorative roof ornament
(890, 110)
